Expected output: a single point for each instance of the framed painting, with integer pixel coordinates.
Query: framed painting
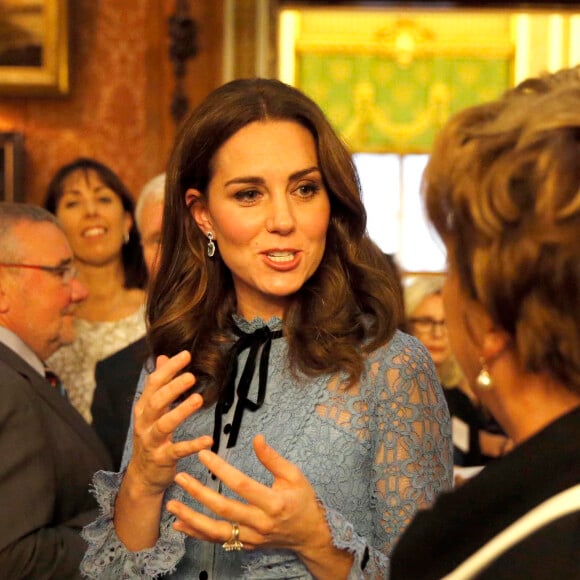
(34, 47)
(11, 166)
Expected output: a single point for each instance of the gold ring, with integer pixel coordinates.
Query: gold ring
(233, 544)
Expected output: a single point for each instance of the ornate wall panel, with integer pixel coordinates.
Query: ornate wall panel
(118, 109)
(104, 115)
(378, 105)
(389, 78)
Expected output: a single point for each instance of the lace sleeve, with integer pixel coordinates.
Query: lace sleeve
(107, 557)
(369, 564)
(413, 447)
(405, 419)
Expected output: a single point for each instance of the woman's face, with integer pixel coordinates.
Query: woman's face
(431, 328)
(93, 218)
(268, 211)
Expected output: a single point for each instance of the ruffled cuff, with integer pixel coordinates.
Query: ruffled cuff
(368, 562)
(107, 557)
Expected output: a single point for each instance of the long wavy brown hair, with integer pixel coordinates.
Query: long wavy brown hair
(503, 190)
(349, 307)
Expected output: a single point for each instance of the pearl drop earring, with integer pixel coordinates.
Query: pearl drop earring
(484, 380)
(210, 245)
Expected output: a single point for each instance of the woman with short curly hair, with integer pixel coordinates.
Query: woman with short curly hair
(503, 190)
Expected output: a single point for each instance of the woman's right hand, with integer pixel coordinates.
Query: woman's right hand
(155, 454)
(152, 466)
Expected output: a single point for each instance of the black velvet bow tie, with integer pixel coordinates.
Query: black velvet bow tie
(262, 336)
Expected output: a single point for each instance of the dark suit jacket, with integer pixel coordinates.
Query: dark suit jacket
(117, 377)
(48, 455)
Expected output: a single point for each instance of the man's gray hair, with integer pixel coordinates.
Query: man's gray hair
(153, 191)
(13, 213)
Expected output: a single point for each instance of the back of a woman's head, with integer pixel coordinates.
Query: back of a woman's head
(134, 265)
(503, 190)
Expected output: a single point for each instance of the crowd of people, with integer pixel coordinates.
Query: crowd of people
(229, 380)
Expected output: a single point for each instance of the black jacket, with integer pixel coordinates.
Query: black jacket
(440, 539)
(117, 377)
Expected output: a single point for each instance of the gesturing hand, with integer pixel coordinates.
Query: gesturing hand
(155, 454)
(286, 515)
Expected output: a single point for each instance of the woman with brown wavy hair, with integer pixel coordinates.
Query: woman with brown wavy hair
(503, 190)
(266, 263)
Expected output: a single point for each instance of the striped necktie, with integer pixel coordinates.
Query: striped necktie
(54, 381)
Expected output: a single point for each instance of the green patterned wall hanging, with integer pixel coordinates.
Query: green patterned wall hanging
(379, 105)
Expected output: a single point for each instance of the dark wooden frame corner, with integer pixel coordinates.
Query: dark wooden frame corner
(12, 166)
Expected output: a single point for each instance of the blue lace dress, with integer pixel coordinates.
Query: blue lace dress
(374, 453)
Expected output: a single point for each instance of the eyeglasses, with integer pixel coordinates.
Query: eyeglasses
(427, 324)
(66, 272)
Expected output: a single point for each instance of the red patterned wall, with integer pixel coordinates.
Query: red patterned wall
(121, 82)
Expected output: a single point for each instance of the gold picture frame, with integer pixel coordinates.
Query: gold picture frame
(34, 48)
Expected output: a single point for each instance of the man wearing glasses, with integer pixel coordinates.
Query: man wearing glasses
(48, 454)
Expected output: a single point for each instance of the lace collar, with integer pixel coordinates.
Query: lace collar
(250, 326)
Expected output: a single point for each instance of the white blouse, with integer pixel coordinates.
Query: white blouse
(75, 363)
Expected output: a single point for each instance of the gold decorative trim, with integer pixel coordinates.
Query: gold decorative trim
(369, 114)
(52, 76)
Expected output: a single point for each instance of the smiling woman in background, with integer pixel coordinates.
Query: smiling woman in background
(96, 212)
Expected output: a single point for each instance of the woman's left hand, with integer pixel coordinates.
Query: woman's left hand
(286, 515)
